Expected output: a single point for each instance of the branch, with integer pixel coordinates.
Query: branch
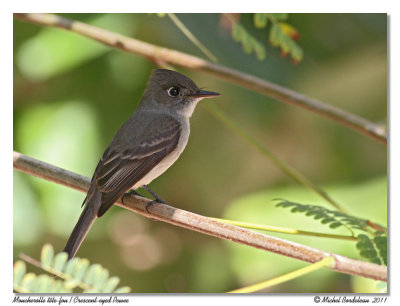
(203, 224)
(248, 81)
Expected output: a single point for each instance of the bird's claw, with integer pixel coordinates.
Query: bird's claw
(130, 192)
(153, 202)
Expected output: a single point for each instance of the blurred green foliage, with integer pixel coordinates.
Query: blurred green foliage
(72, 94)
(75, 275)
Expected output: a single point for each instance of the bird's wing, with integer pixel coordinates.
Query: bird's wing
(119, 170)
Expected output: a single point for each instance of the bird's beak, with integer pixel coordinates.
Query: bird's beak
(206, 94)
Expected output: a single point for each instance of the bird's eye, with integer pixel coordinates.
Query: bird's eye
(173, 91)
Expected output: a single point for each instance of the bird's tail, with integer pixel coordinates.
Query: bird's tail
(88, 216)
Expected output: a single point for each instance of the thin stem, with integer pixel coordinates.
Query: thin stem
(205, 225)
(290, 171)
(375, 226)
(285, 230)
(327, 262)
(156, 53)
(191, 37)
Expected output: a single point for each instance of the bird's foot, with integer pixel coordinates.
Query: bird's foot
(157, 198)
(130, 192)
(153, 202)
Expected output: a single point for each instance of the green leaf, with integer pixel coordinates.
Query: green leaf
(29, 281)
(318, 215)
(124, 289)
(110, 284)
(296, 51)
(260, 51)
(71, 266)
(101, 279)
(247, 43)
(367, 249)
(237, 32)
(75, 268)
(281, 36)
(93, 272)
(59, 261)
(289, 30)
(42, 284)
(19, 271)
(285, 43)
(275, 35)
(57, 286)
(335, 224)
(71, 283)
(299, 209)
(363, 242)
(381, 245)
(260, 20)
(369, 254)
(376, 260)
(328, 220)
(47, 254)
(284, 204)
(80, 269)
(381, 242)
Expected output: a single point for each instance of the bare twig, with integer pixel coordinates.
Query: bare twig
(203, 224)
(191, 37)
(174, 57)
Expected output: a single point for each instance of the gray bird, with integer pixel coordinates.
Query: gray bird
(145, 146)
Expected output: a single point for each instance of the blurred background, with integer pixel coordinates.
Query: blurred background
(72, 94)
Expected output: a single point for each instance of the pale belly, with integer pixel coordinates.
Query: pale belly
(167, 162)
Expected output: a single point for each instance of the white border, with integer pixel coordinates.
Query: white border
(338, 6)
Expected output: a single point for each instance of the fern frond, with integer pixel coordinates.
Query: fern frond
(281, 34)
(372, 243)
(374, 250)
(249, 43)
(326, 216)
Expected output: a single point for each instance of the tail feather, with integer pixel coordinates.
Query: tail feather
(82, 227)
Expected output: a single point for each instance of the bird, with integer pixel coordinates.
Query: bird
(145, 146)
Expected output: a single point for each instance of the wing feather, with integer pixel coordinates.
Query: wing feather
(118, 171)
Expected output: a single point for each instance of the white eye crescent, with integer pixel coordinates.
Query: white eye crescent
(173, 91)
